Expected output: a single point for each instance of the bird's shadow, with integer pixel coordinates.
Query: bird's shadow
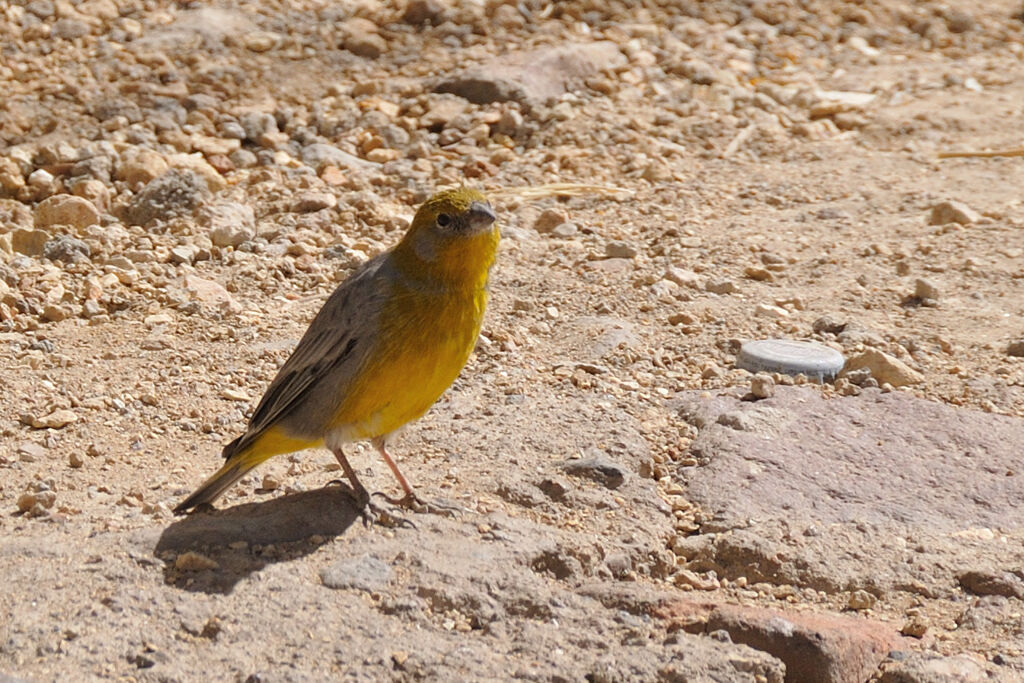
(212, 551)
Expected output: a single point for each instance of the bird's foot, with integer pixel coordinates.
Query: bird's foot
(371, 513)
(411, 501)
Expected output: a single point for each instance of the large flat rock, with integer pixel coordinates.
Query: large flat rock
(875, 491)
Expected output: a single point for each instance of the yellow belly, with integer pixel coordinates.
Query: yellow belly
(424, 344)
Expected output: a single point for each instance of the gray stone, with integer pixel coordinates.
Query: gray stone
(67, 249)
(175, 193)
(535, 77)
(365, 573)
(599, 468)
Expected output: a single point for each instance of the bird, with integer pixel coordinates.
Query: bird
(387, 343)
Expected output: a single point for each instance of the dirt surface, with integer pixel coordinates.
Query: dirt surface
(181, 186)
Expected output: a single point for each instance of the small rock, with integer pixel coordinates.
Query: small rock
(758, 273)
(953, 212)
(770, 311)
(691, 579)
(620, 249)
(192, 561)
(419, 12)
(684, 278)
(722, 287)
(66, 209)
(861, 600)
(234, 394)
(31, 500)
(364, 573)
(270, 483)
(94, 191)
(928, 667)
(175, 193)
(320, 155)
(533, 77)
(261, 41)
(548, 219)
(926, 290)
(141, 167)
(599, 468)
(67, 249)
(75, 459)
(915, 627)
(310, 201)
(359, 36)
(229, 223)
(884, 368)
(212, 293)
(565, 231)
(828, 324)
(55, 420)
(184, 253)
(69, 28)
(31, 452)
(985, 582)
(762, 385)
(29, 242)
(1015, 348)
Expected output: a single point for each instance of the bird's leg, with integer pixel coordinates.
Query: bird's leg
(367, 509)
(409, 500)
(359, 494)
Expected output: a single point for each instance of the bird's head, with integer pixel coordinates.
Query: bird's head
(453, 235)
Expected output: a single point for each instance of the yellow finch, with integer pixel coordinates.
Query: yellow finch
(384, 347)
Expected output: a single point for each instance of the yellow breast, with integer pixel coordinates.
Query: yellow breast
(426, 339)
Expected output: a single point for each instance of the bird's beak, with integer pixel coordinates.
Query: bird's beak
(481, 215)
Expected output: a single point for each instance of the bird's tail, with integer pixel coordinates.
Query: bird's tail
(236, 467)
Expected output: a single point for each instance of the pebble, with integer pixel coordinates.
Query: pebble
(29, 242)
(36, 503)
(685, 578)
(419, 12)
(565, 231)
(884, 368)
(953, 212)
(684, 278)
(67, 249)
(228, 223)
(308, 202)
(861, 600)
(599, 468)
(620, 249)
(211, 293)
(915, 627)
(722, 287)
(172, 194)
(66, 209)
(1015, 348)
(234, 394)
(55, 420)
(140, 167)
(549, 219)
(30, 452)
(192, 561)
(926, 290)
(261, 41)
(184, 253)
(770, 311)
(762, 385)
(75, 459)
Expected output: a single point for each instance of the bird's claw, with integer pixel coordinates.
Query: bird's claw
(370, 513)
(411, 501)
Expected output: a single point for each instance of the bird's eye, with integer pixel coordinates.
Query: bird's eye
(444, 220)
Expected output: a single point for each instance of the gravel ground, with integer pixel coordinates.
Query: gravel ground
(181, 186)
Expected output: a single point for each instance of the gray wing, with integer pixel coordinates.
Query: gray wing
(335, 345)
